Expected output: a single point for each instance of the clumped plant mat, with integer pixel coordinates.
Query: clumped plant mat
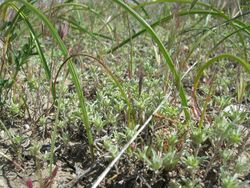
(124, 93)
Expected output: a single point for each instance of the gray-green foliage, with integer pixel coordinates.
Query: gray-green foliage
(123, 58)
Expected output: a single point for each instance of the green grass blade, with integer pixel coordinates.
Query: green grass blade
(228, 36)
(35, 38)
(243, 63)
(164, 52)
(217, 13)
(142, 8)
(84, 7)
(193, 4)
(111, 75)
(158, 22)
(195, 44)
(232, 21)
(71, 66)
(77, 5)
(38, 47)
(80, 28)
(171, 1)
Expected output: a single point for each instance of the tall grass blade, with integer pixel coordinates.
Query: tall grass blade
(228, 36)
(235, 22)
(193, 4)
(38, 47)
(200, 72)
(77, 5)
(215, 12)
(71, 66)
(164, 52)
(142, 8)
(160, 21)
(80, 28)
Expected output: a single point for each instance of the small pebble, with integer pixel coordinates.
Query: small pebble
(26, 126)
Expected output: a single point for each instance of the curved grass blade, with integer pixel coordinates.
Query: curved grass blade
(142, 8)
(162, 20)
(35, 38)
(172, 1)
(77, 6)
(184, 13)
(203, 37)
(113, 78)
(77, 26)
(193, 4)
(226, 37)
(165, 54)
(83, 7)
(243, 63)
(38, 47)
(71, 67)
(196, 44)
(232, 21)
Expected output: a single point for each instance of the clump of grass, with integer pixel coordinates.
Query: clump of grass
(164, 91)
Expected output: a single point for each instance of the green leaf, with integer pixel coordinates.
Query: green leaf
(71, 66)
(164, 52)
(193, 4)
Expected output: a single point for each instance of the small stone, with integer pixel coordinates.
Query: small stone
(26, 126)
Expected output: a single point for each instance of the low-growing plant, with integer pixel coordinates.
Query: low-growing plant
(160, 85)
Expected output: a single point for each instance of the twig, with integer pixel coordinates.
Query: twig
(110, 166)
